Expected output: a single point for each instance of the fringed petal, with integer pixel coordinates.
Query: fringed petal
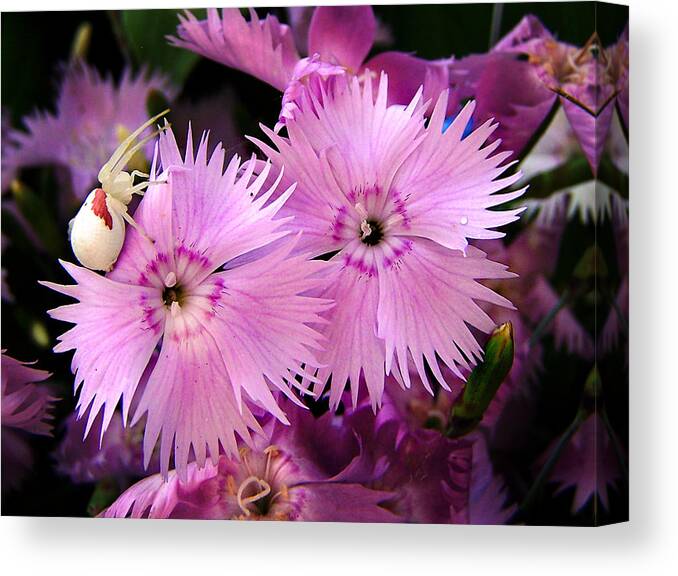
(263, 48)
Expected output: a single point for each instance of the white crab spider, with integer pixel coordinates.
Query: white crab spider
(97, 232)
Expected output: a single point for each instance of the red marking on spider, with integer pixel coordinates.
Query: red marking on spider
(100, 208)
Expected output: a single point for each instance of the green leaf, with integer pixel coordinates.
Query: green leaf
(145, 32)
(483, 383)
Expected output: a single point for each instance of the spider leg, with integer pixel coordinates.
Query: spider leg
(122, 161)
(126, 143)
(139, 174)
(136, 226)
(139, 188)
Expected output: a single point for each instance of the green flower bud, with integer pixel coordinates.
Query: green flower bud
(483, 383)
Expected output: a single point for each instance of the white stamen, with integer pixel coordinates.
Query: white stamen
(366, 229)
(170, 280)
(360, 209)
(175, 309)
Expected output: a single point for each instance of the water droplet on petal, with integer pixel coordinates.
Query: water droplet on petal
(464, 220)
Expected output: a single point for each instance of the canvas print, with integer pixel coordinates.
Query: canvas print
(340, 264)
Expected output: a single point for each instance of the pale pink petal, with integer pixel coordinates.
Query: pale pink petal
(264, 306)
(451, 182)
(263, 48)
(189, 399)
(309, 74)
(352, 348)
(427, 301)
(342, 34)
(158, 497)
(112, 320)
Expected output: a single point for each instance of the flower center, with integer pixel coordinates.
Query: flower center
(371, 232)
(172, 292)
(254, 494)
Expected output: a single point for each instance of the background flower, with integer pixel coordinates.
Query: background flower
(26, 409)
(93, 114)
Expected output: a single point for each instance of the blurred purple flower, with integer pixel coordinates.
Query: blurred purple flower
(93, 115)
(26, 409)
(225, 325)
(395, 200)
(120, 454)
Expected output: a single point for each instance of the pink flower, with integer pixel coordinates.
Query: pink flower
(339, 36)
(26, 408)
(309, 73)
(92, 116)
(232, 329)
(395, 200)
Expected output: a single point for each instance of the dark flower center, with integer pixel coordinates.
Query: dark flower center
(371, 232)
(173, 294)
